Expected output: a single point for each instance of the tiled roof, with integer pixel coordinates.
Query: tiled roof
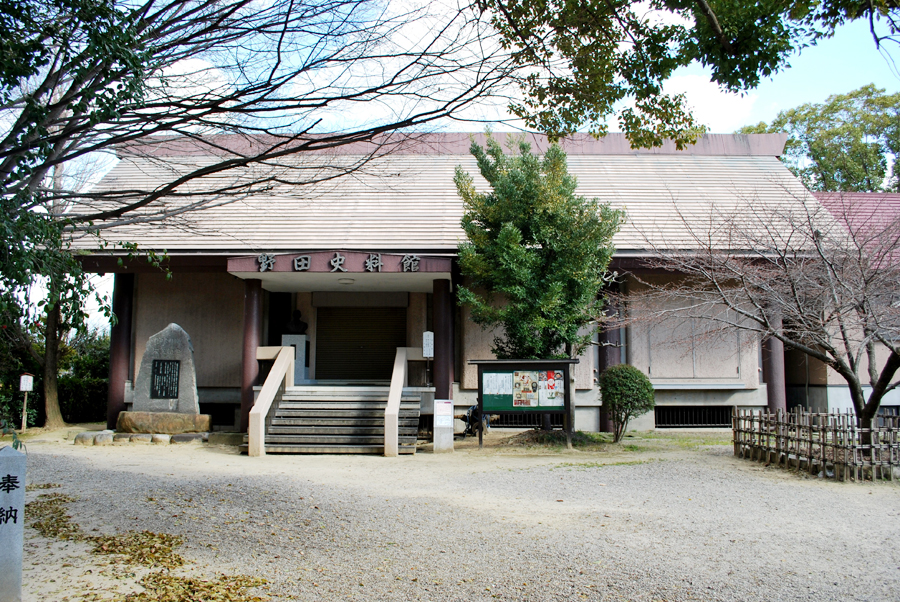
(861, 207)
(407, 200)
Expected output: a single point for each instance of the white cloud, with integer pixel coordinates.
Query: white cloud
(723, 112)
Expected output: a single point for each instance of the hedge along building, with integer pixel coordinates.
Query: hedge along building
(368, 259)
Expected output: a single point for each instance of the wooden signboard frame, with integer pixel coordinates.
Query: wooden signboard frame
(501, 397)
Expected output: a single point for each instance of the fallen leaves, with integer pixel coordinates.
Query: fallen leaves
(155, 550)
(163, 587)
(144, 547)
(50, 518)
(36, 486)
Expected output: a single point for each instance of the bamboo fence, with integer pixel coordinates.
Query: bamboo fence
(828, 445)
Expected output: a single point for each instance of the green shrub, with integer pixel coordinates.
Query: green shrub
(82, 388)
(11, 406)
(625, 392)
(82, 399)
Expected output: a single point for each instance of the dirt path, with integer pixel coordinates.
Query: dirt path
(659, 518)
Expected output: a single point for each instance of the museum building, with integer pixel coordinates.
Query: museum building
(368, 260)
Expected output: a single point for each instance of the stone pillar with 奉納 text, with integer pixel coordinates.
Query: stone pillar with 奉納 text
(12, 519)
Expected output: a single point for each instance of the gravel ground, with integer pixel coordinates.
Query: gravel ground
(675, 525)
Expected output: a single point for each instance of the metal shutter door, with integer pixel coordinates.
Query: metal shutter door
(358, 343)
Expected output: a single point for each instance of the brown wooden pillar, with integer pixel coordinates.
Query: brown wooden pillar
(252, 331)
(610, 355)
(119, 346)
(443, 339)
(773, 373)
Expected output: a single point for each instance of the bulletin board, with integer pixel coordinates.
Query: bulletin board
(523, 390)
(525, 386)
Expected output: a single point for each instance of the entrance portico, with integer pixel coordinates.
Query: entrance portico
(356, 303)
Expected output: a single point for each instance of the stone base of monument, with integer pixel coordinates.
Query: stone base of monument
(169, 423)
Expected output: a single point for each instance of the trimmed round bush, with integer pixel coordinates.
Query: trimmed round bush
(626, 392)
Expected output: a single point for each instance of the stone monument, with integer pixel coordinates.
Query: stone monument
(165, 391)
(167, 381)
(12, 523)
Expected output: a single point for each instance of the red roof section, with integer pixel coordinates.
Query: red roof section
(859, 208)
(873, 218)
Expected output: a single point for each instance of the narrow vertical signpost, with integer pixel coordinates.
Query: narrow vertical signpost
(26, 384)
(12, 519)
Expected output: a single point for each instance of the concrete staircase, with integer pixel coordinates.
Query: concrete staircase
(321, 419)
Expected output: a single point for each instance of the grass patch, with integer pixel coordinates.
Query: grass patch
(633, 442)
(691, 440)
(587, 465)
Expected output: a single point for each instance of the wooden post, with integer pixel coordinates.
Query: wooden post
(119, 347)
(252, 329)
(773, 373)
(443, 339)
(610, 354)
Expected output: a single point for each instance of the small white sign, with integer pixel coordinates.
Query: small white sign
(497, 383)
(26, 383)
(443, 413)
(428, 344)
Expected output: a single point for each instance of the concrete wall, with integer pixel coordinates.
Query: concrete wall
(818, 388)
(839, 398)
(477, 343)
(881, 356)
(210, 308)
(745, 398)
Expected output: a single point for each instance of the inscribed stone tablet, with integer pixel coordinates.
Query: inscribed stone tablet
(164, 381)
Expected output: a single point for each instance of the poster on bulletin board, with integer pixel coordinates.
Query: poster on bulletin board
(523, 390)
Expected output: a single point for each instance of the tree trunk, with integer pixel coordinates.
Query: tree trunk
(865, 420)
(51, 369)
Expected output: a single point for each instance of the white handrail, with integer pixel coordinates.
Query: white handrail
(282, 373)
(392, 411)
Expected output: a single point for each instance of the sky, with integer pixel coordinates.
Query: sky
(838, 65)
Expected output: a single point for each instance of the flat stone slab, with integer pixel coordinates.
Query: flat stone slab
(103, 439)
(195, 438)
(226, 438)
(162, 439)
(170, 423)
(142, 438)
